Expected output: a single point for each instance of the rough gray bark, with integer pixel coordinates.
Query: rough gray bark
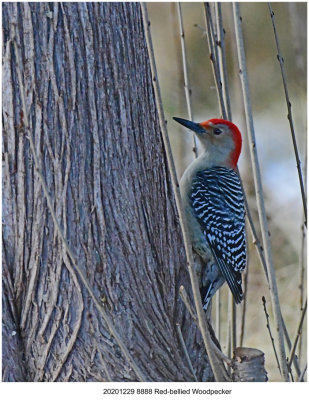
(92, 117)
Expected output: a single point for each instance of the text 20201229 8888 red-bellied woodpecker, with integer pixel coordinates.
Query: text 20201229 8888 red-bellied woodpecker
(214, 206)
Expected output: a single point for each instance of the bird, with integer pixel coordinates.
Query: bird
(213, 203)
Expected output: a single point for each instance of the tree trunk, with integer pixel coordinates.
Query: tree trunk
(92, 116)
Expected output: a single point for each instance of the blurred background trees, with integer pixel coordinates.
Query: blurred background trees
(274, 144)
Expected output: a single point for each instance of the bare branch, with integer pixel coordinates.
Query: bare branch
(187, 303)
(288, 341)
(222, 60)
(214, 57)
(221, 355)
(187, 88)
(269, 330)
(243, 315)
(298, 333)
(232, 316)
(218, 314)
(302, 375)
(256, 240)
(185, 351)
(302, 258)
(290, 118)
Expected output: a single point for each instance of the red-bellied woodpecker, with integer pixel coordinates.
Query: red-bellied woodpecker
(214, 206)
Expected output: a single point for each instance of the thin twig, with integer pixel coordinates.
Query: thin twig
(185, 298)
(255, 239)
(302, 264)
(259, 190)
(214, 57)
(288, 341)
(302, 375)
(291, 374)
(231, 332)
(218, 315)
(298, 333)
(302, 278)
(232, 308)
(243, 315)
(184, 347)
(222, 60)
(302, 258)
(81, 274)
(269, 330)
(187, 88)
(228, 335)
(221, 355)
(216, 364)
(290, 118)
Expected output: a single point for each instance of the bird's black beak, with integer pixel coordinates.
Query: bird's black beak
(197, 128)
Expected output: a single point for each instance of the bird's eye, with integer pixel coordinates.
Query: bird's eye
(217, 131)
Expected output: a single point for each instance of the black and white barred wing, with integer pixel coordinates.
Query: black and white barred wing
(217, 200)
